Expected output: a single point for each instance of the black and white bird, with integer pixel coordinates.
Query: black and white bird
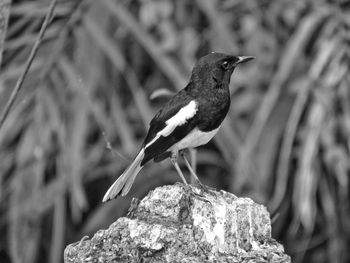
(190, 118)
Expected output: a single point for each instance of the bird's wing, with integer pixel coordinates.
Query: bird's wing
(171, 124)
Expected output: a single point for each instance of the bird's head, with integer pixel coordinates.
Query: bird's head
(217, 68)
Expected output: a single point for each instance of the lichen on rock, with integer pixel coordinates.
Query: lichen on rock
(184, 224)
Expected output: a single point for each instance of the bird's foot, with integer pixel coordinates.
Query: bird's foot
(203, 187)
(193, 191)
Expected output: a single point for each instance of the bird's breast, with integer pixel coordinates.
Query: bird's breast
(213, 110)
(194, 139)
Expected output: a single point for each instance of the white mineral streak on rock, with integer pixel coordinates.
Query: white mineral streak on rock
(211, 218)
(219, 228)
(253, 242)
(133, 228)
(235, 226)
(251, 234)
(148, 236)
(201, 220)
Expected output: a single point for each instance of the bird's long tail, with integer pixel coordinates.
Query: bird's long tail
(123, 184)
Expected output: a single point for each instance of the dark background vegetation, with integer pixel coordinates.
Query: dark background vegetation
(106, 66)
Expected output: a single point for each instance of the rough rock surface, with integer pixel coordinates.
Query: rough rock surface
(174, 224)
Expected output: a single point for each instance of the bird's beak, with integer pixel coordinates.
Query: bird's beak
(243, 59)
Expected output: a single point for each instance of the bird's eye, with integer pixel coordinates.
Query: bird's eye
(225, 64)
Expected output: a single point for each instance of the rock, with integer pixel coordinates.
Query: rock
(184, 224)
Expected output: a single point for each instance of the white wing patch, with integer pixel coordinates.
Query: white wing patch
(177, 120)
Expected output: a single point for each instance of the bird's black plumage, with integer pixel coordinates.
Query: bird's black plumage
(209, 87)
(180, 100)
(191, 118)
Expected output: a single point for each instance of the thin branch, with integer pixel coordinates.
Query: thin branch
(30, 59)
(27, 39)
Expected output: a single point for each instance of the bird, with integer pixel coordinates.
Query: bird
(191, 118)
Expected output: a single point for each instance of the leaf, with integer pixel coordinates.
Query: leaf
(4, 18)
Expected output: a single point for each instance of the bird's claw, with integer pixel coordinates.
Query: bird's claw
(192, 191)
(204, 188)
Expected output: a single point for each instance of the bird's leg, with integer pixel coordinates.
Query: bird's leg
(189, 167)
(173, 159)
(201, 186)
(194, 175)
(193, 157)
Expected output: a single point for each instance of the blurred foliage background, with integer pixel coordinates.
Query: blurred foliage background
(105, 67)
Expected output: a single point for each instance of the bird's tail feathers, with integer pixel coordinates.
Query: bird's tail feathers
(123, 184)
